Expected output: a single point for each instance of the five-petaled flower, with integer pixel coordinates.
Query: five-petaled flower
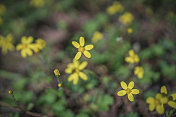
(82, 49)
(132, 58)
(156, 103)
(128, 90)
(6, 43)
(115, 8)
(26, 46)
(139, 71)
(126, 18)
(75, 69)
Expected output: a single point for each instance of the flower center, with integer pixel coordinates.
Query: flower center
(157, 102)
(77, 71)
(81, 49)
(24, 46)
(128, 91)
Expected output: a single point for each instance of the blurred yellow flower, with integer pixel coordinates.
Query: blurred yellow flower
(56, 73)
(10, 92)
(26, 46)
(139, 71)
(6, 43)
(169, 100)
(126, 18)
(155, 103)
(81, 48)
(96, 37)
(115, 8)
(130, 30)
(132, 58)
(2, 9)
(39, 45)
(75, 69)
(59, 84)
(37, 3)
(128, 90)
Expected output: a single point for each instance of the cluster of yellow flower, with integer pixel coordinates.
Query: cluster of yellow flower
(26, 46)
(2, 10)
(133, 58)
(139, 71)
(75, 68)
(160, 100)
(37, 3)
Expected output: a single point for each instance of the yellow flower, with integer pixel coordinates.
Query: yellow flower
(39, 45)
(56, 73)
(2, 9)
(10, 92)
(82, 49)
(59, 84)
(6, 43)
(96, 37)
(128, 90)
(126, 18)
(155, 103)
(132, 58)
(115, 8)
(130, 30)
(139, 71)
(75, 69)
(26, 46)
(37, 3)
(169, 100)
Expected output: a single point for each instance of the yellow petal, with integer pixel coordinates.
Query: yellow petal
(83, 65)
(164, 99)
(19, 47)
(131, 85)
(75, 44)
(78, 55)
(75, 63)
(123, 85)
(88, 47)
(68, 70)
(29, 52)
(29, 40)
(131, 53)
(151, 107)
(121, 93)
(87, 54)
(75, 79)
(164, 90)
(81, 41)
(23, 39)
(158, 96)
(82, 75)
(172, 104)
(23, 54)
(173, 96)
(70, 78)
(130, 97)
(135, 91)
(150, 100)
(160, 109)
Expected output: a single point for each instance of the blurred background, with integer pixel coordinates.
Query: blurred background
(146, 26)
